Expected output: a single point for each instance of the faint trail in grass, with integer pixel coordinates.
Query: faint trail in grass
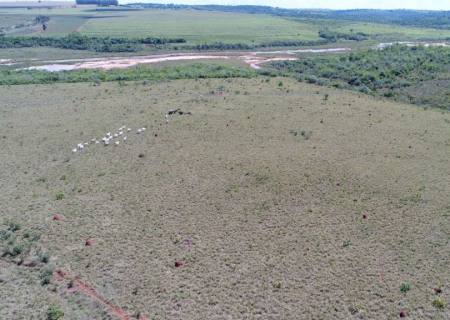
(84, 287)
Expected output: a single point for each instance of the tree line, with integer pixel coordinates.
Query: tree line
(76, 41)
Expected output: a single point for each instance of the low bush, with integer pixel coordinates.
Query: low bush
(143, 72)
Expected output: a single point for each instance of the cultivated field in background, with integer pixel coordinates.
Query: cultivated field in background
(201, 26)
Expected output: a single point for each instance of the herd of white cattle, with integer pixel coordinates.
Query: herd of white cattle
(110, 138)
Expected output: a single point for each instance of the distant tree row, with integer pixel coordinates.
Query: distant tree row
(245, 46)
(417, 18)
(326, 35)
(42, 19)
(335, 36)
(77, 41)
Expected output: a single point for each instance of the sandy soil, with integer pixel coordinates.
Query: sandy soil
(253, 59)
(271, 201)
(414, 44)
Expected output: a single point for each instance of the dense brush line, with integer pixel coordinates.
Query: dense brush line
(399, 72)
(96, 76)
(76, 41)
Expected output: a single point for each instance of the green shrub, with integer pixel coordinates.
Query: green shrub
(346, 243)
(59, 196)
(13, 227)
(54, 313)
(44, 257)
(405, 287)
(438, 303)
(46, 276)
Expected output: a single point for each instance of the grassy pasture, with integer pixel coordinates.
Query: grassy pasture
(15, 23)
(282, 200)
(201, 27)
(394, 32)
(377, 30)
(62, 21)
(14, 19)
(61, 25)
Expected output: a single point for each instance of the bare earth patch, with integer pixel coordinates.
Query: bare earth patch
(253, 59)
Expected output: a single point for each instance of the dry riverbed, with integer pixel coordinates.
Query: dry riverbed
(253, 59)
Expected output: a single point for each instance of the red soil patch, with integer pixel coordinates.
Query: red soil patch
(114, 310)
(81, 286)
(57, 217)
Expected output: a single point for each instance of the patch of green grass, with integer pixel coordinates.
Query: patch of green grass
(14, 248)
(13, 227)
(414, 198)
(277, 285)
(262, 207)
(59, 196)
(46, 276)
(262, 178)
(405, 287)
(44, 257)
(346, 243)
(5, 235)
(232, 189)
(438, 303)
(305, 134)
(54, 313)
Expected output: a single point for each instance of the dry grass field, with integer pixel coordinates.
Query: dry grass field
(272, 200)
